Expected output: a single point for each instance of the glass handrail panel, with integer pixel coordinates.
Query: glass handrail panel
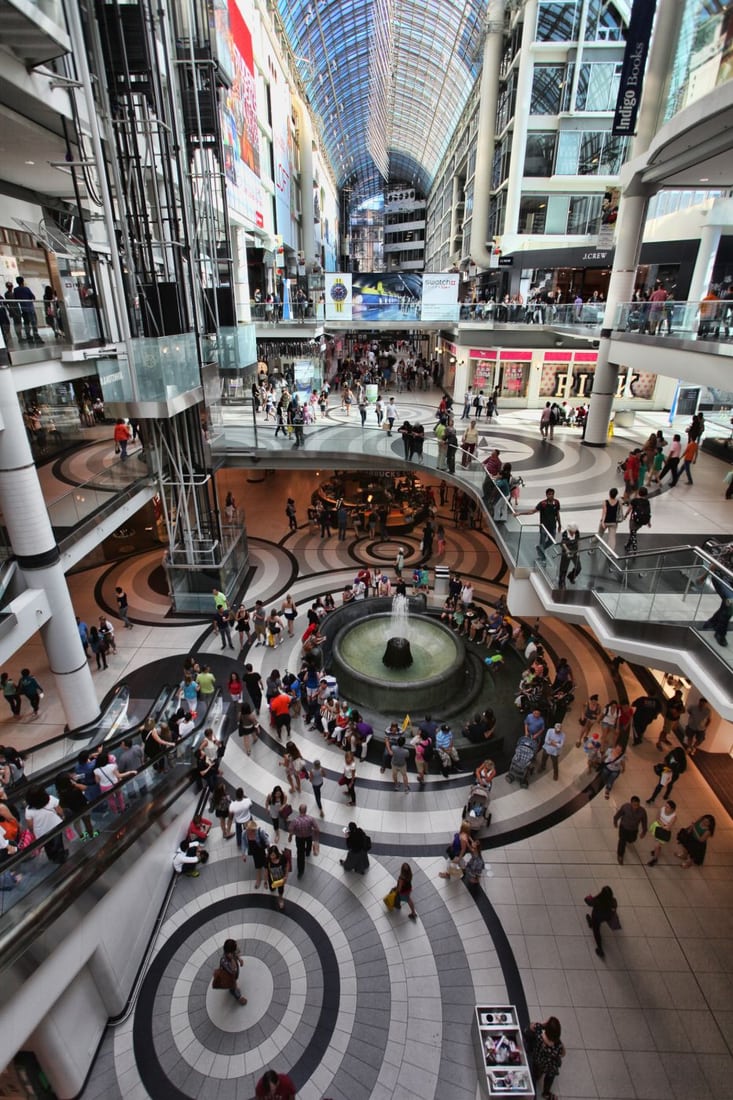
(38, 872)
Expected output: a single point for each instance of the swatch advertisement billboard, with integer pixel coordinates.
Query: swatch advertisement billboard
(394, 296)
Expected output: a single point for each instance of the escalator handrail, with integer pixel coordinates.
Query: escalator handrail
(190, 739)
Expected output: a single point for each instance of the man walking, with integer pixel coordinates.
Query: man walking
(391, 415)
(630, 818)
(305, 830)
(26, 297)
(122, 606)
(548, 511)
(551, 748)
(224, 626)
(640, 515)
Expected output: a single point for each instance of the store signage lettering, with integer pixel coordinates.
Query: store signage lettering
(580, 384)
(634, 63)
(595, 255)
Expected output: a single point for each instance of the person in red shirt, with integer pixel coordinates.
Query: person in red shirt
(275, 1086)
(631, 473)
(280, 711)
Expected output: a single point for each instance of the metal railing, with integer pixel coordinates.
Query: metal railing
(83, 500)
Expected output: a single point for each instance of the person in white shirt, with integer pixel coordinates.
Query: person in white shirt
(391, 415)
(467, 595)
(551, 748)
(185, 861)
(240, 809)
(43, 814)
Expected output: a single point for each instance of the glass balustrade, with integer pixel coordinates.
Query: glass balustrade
(30, 876)
(83, 500)
(28, 325)
(709, 319)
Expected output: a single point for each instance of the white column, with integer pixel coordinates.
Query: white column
(629, 230)
(719, 219)
(34, 545)
(488, 96)
(632, 215)
(521, 114)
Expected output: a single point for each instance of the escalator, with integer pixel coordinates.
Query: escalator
(46, 891)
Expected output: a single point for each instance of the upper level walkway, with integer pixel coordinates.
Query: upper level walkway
(638, 595)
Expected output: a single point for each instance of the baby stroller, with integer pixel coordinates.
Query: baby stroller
(522, 764)
(476, 810)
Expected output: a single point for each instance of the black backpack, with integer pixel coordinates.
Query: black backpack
(427, 753)
(641, 511)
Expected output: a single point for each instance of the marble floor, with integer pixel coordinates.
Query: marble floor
(357, 1002)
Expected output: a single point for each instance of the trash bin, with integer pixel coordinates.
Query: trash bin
(442, 577)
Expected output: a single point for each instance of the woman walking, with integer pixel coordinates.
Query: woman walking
(274, 804)
(222, 802)
(277, 873)
(358, 845)
(230, 963)
(255, 844)
(603, 911)
(661, 829)
(546, 1053)
(404, 890)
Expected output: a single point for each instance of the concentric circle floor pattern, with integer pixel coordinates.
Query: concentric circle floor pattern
(358, 1002)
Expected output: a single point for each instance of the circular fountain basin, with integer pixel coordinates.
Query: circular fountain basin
(437, 671)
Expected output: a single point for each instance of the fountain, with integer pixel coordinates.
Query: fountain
(386, 661)
(398, 653)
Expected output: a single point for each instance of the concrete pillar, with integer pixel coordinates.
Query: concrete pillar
(488, 95)
(629, 230)
(305, 146)
(34, 545)
(632, 215)
(521, 114)
(718, 219)
(706, 254)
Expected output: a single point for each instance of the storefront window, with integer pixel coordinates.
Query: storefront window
(514, 378)
(539, 157)
(589, 153)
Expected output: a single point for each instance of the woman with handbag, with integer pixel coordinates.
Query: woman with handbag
(661, 829)
(603, 910)
(277, 873)
(227, 974)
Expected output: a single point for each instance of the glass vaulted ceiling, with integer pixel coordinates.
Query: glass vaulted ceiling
(389, 79)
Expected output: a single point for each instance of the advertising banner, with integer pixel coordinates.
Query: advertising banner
(281, 150)
(638, 37)
(387, 297)
(240, 132)
(440, 297)
(338, 297)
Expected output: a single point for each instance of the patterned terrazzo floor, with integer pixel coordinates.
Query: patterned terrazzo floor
(357, 1002)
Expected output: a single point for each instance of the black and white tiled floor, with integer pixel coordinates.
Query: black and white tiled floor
(357, 1002)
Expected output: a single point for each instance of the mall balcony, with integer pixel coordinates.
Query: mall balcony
(49, 330)
(34, 30)
(685, 339)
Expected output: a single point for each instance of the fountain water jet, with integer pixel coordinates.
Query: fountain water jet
(398, 653)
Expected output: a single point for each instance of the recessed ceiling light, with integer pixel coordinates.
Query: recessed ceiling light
(30, 162)
(705, 179)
